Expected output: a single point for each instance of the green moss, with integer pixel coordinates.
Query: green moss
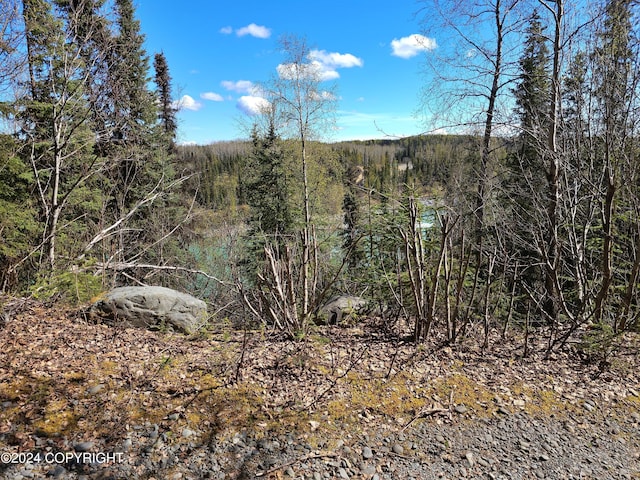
(58, 419)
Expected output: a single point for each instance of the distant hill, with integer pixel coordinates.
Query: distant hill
(388, 164)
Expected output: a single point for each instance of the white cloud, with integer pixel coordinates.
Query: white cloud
(407, 47)
(187, 103)
(323, 65)
(226, 30)
(252, 105)
(240, 86)
(335, 60)
(254, 30)
(214, 97)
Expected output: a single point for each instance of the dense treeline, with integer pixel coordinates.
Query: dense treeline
(87, 149)
(427, 161)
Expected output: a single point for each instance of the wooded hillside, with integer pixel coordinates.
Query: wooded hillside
(525, 216)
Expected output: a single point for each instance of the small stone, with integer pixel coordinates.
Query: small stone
(126, 445)
(95, 389)
(174, 416)
(56, 472)
(367, 453)
(368, 470)
(397, 448)
(545, 458)
(470, 459)
(460, 409)
(289, 471)
(187, 432)
(343, 473)
(440, 439)
(83, 446)
(503, 411)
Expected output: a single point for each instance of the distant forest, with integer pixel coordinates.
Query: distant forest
(390, 166)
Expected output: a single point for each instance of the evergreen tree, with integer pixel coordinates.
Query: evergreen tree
(167, 110)
(532, 92)
(271, 218)
(18, 225)
(525, 184)
(53, 119)
(134, 106)
(615, 92)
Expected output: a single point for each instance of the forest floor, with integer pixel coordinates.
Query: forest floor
(80, 400)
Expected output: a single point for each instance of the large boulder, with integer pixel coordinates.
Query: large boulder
(151, 307)
(340, 308)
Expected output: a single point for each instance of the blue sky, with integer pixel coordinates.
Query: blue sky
(217, 51)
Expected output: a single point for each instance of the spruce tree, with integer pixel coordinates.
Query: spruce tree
(53, 120)
(167, 111)
(271, 218)
(525, 184)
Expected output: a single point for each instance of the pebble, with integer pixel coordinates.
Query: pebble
(470, 459)
(461, 409)
(95, 389)
(478, 448)
(126, 445)
(83, 446)
(57, 471)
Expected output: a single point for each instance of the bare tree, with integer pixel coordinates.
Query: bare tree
(467, 94)
(303, 110)
(11, 60)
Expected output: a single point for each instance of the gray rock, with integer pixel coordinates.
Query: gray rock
(470, 458)
(126, 445)
(151, 307)
(339, 308)
(83, 446)
(95, 389)
(367, 453)
(397, 448)
(57, 471)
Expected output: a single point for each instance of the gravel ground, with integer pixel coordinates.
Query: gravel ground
(79, 400)
(507, 446)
